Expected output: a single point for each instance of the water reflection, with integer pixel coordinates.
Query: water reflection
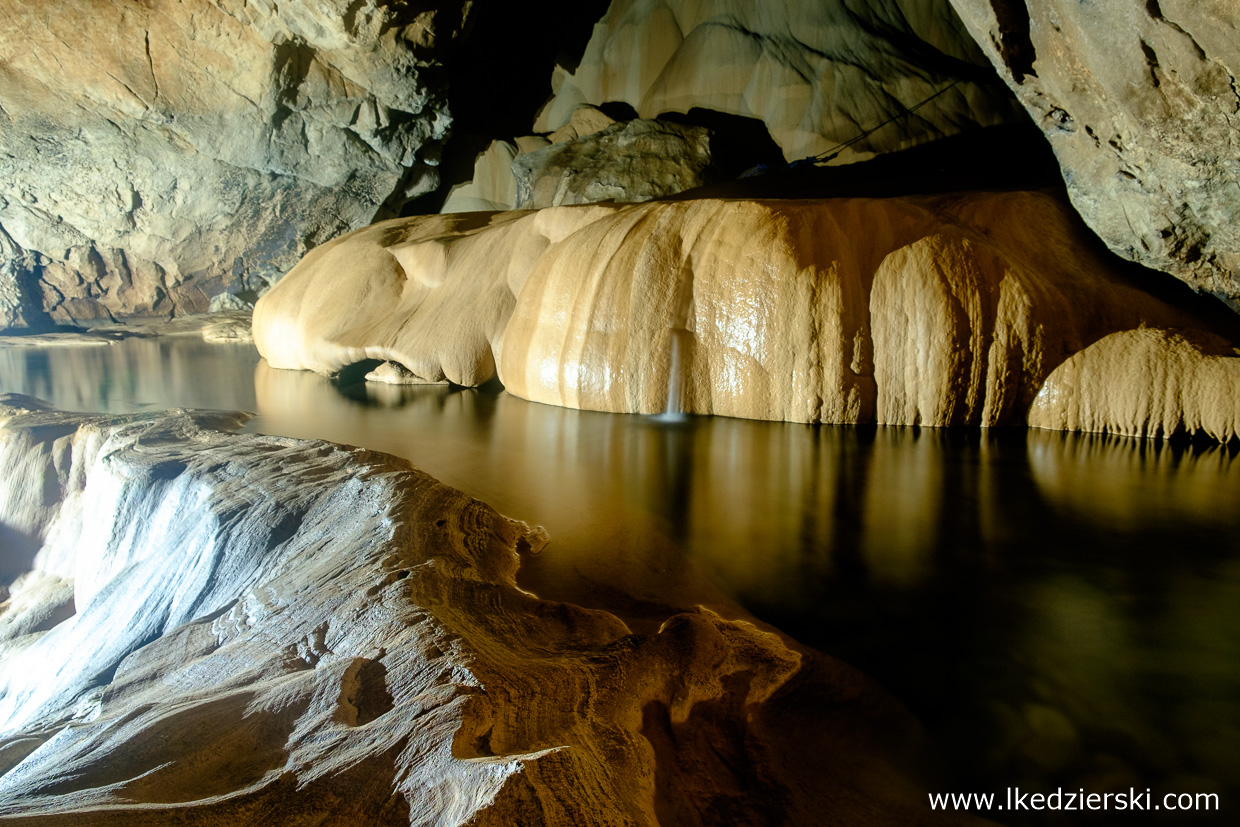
(134, 373)
(1057, 610)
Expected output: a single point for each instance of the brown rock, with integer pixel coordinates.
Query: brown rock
(630, 161)
(930, 310)
(817, 74)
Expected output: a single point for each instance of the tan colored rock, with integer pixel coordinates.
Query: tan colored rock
(155, 154)
(394, 373)
(493, 186)
(1149, 383)
(630, 161)
(585, 120)
(948, 310)
(817, 74)
(269, 630)
(1139, 101)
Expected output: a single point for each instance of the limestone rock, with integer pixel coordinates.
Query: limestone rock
(1140, 103)
(1171, 384)
(817, 74)
(267, 630)
(235, 330)
(493, 186)
(585, 120)
(229, 301)
(949, 310)
(630, 161)
(394, 373)
(155, 154)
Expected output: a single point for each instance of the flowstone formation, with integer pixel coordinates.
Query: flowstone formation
(1140, 102)
(813, 78)
(816, 74)
(943, 310)
(156, 154)
(201, 627)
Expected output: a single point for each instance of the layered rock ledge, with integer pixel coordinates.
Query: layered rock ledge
(946, 310)
(202, 627)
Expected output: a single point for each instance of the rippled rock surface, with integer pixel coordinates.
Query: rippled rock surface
(203, 627)
(950, 310)
(816, 74)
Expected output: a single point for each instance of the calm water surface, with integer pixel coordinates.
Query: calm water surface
(1058, 610)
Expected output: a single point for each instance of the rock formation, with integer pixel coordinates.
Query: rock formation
(631, 161)
(1172, 384)
(949, 310)
(204, 627)
(1139, 100)
(155, 154)
(817, 74)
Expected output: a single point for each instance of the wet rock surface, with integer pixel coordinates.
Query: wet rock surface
(949, 310)
(207, 627)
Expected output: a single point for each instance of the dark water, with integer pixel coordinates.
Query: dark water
(1057, 610)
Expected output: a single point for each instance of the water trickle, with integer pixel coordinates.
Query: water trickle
(675, 408)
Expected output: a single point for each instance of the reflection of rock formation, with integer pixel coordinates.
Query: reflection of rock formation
(135, 372)
(936, 311)
(157, 153)
(338, 637)
(1139, 102)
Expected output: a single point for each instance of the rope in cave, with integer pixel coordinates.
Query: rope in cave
(831, 153)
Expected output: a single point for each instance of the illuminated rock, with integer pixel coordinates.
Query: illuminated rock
(1153, 383)
(631, 161)
(155, 154)
(211, 628)
(817, 74)
(947, 310)
(1139, 102)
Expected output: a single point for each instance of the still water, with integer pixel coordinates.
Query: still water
(1057, 610)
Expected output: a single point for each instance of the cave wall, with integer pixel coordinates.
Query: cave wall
(155, 154)
(1139, 100)
(816, 74)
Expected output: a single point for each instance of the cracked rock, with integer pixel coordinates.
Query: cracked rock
(1140, 102)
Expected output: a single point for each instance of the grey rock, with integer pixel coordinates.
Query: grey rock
(631, 161)
(229, 301)
(153, 155)
(1141, 105)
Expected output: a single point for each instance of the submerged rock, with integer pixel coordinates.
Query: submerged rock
(155, 154)
(207, 627)
(1139, 102)
(950, 310)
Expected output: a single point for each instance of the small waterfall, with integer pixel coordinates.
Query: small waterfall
(675, 408)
